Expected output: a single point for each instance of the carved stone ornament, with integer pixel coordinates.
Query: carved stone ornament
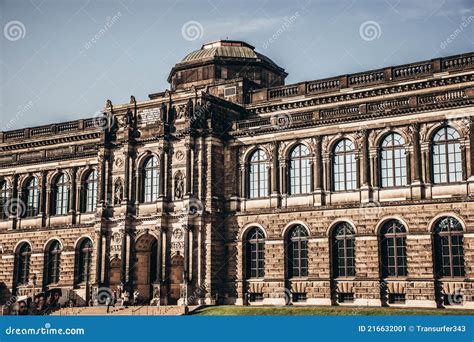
(179, 155)
(178, 233)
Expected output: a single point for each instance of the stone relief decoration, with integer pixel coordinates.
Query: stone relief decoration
(270, 148)
(359, 139)
(177, 240)
(178, 185)
(313, 142)
(372, 138)
(116, 242)
(118, 192)
(463, 124)
(282, 148)
(325, 144)
(242, 151)
(408, 131)
(180, 111)
(119, 162)
(180, 155)
(424, 128)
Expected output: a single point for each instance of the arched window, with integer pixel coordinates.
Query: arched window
(255, 253)
(4, 198)
(343, 250)
(393, 161)
(31, 198)
(446, 156)
(344, 166)
(52, 262)
(297, 252)
(23, 256)
(84, 260)
(448, 248)
(90, 192)
(300, 174)
(150, 173)
(258, 174)
(393, 246)
(60, 203)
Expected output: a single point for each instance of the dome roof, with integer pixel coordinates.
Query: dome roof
(225, 49)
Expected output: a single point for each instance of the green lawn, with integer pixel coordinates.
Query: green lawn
(319, 311)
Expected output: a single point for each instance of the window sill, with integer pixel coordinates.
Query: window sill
(446, 183)
(255, 279)
(298, 279)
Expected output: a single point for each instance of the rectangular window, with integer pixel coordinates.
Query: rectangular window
(346, 297)
(230, 91)
(256, 297)
(299, 297)
(396, 298)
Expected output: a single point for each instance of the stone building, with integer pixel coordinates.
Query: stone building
(234, 188)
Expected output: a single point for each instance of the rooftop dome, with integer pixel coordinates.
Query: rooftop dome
(225, 60)
(223, 49)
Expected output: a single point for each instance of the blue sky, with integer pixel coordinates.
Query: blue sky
(53, 69)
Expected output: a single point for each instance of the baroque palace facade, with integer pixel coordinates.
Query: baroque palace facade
(234, 188)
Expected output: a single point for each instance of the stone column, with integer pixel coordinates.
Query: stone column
(16, 195)
(98, 269)
(159, 255)
(243, 181)
(327, 186)
(365, 160)
(102, 179)
(470, 148)
(123, 256)
(470, 126)
(162, 174)
(275, 190)
(42, 203)
(188, 168)
(415, 136)
(72, 197)
(318, 164)
(126, 177)
(283, 175)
